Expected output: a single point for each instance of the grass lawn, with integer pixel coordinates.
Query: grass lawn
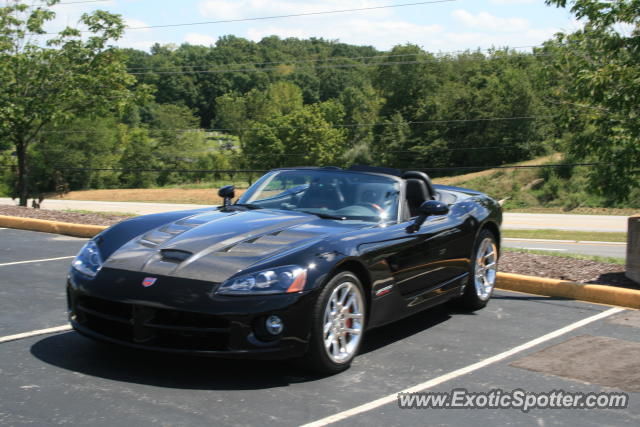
(566, 235)
(577, 211)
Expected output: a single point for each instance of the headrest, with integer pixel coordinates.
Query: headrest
(423, 177)
(417, 191)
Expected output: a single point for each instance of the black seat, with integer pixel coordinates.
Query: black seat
(425, 178)
(322, 195)
(417, 194)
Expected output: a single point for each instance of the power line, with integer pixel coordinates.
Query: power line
(495, 147)
(562, 165)
(78, 2)
(349, 125)
(354, 65)
(238, 171)
(573, 104)
(292, 15)
(70, 2)
(438, 56)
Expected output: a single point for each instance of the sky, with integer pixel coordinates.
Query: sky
(436, 27)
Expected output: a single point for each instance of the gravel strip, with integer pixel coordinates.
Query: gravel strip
(575, 270)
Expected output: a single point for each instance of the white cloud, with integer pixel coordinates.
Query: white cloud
(488, 22)
(382, 34)
(383, 28)
(511, 2)
(68, 14)
(238, 9)
(199, 39)
(452, 41)
(141, 39)
(136, 23)
(376, 27)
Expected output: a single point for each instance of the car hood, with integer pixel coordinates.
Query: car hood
(216, 245)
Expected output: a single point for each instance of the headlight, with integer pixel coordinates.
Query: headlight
(279, 280)
(88, 261)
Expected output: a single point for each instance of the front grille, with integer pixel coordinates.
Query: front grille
(153, 327)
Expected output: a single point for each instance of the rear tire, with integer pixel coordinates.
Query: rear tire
(337, 328)
(482, 274)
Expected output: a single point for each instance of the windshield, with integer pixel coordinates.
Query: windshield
(344, 195)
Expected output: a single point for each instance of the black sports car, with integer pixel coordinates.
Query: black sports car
(301, 265)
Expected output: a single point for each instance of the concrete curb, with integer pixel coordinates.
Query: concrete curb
(57, 227)
(512, 282)
(601, 294)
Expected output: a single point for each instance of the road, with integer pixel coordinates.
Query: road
(518, 341)
(605, 249)
(529, 221)
(511, 220)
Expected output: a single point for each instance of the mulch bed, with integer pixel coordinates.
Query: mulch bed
(553, 267)
(52, 215)
(575, 270)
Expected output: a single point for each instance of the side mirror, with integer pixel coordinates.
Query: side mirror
(427, 209)
(433, 207)
(227, 193)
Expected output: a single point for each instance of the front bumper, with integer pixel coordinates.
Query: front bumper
(184, 316)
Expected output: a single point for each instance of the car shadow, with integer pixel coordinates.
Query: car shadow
(401, 329)
(75, 353)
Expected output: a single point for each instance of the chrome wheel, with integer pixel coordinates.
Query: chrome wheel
(486, 268)
(343, 322)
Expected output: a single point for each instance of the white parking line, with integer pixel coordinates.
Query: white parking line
(36, 260)
(547, 249)
(462, 371)
(34, 333)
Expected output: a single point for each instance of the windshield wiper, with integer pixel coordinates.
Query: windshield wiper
(250, 206)
(325, 215)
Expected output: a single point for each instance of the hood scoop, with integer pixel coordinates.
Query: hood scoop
(267, 244)
(174, 255)
(215, 245)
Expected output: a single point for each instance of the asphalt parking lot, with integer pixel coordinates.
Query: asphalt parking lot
(64, 378)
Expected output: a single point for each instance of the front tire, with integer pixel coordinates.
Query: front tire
(338, 321)
(482, 274)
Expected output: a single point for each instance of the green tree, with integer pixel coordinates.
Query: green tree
(361, 106)
(86, 143)
(599, 67)
(138, 160)
(178, 143)
(392, 141)
(277, 99)
(45, 83)
(303, 137)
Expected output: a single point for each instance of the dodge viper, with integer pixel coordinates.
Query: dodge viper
(300, 266)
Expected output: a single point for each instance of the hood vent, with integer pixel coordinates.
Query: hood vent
(174, 255)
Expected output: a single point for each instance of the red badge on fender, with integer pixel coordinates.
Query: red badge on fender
(149, 281)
